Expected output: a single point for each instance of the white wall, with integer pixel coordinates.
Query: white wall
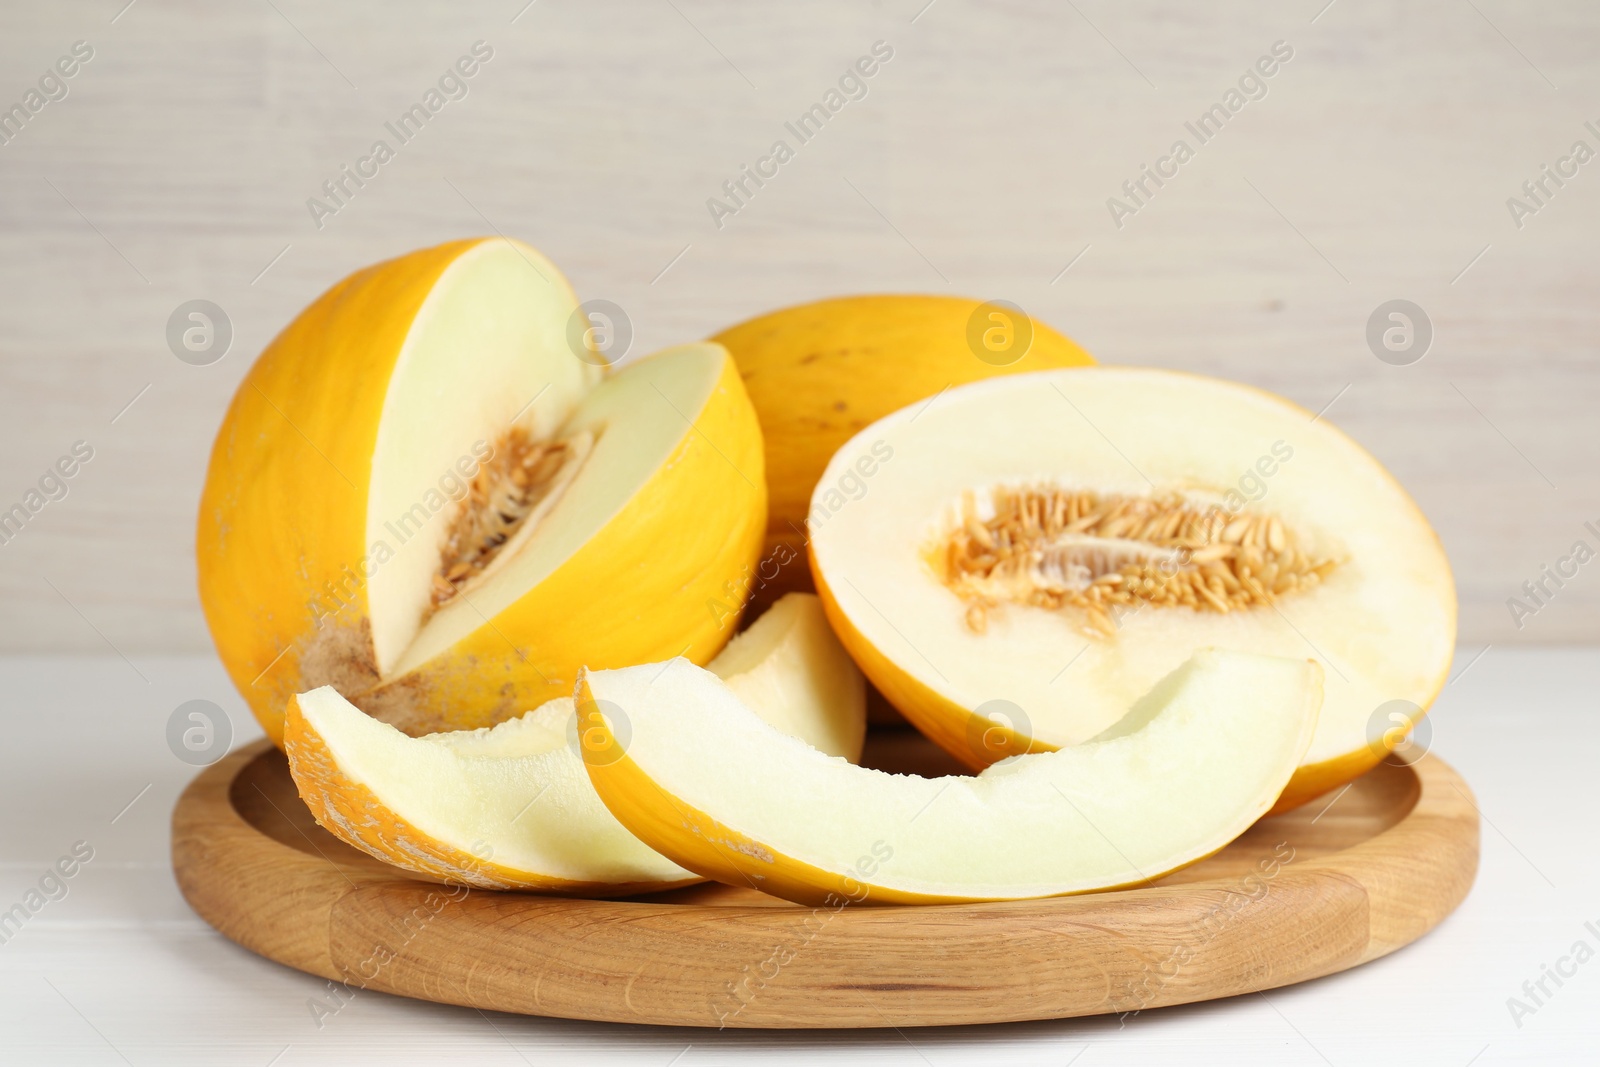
(981, 162)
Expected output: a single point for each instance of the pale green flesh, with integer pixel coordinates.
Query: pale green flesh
(1211, 759)
(532, 811)
(637, 417)
(487, 350)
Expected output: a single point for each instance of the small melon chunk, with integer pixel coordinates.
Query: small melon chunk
(790, 665)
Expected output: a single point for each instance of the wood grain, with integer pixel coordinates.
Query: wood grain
(1341, 881)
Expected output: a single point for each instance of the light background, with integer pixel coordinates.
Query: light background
(1377, 167)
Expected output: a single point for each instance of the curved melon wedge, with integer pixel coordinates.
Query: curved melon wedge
(501, 808)
(509, 806)
(699, 777)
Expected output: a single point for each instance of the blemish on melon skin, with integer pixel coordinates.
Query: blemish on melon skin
(751, 849)
(746, 848)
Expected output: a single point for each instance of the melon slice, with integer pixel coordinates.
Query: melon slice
(428, 495)
(511, 807)
(1052, 544)
(699, 777)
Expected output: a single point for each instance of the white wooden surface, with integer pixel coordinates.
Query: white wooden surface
(1378, 166)
(120, 971)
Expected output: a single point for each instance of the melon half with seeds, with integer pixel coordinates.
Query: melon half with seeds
(428, 494)
(1045, 547)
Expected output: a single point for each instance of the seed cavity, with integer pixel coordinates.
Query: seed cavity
(1054, 548)
(515, 488)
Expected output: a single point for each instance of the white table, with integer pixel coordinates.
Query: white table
(121, 971)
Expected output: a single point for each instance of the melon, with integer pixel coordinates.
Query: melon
(428, 496)
(694, 773)
(510, 806)
(818, 373)
(1045, 547)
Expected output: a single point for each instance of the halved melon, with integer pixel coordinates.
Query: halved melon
(510, 806)
(701, 779)
(1057, 542)
(423, 496)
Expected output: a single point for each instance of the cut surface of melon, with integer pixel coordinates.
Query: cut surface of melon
(622, 432)
(1060, 541)
(509, 809)
(476, 369)
(705, 781)
(790, 666)
(511, 806)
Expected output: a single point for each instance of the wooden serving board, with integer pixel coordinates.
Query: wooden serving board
(1343, 880)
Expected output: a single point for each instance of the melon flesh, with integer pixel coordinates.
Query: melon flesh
(476, 364)
(503, 807)
(706, 782)
(1378, 615)
(790, 665)
(627, 427)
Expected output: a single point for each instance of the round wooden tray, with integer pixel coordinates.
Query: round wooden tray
(1345, 879)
